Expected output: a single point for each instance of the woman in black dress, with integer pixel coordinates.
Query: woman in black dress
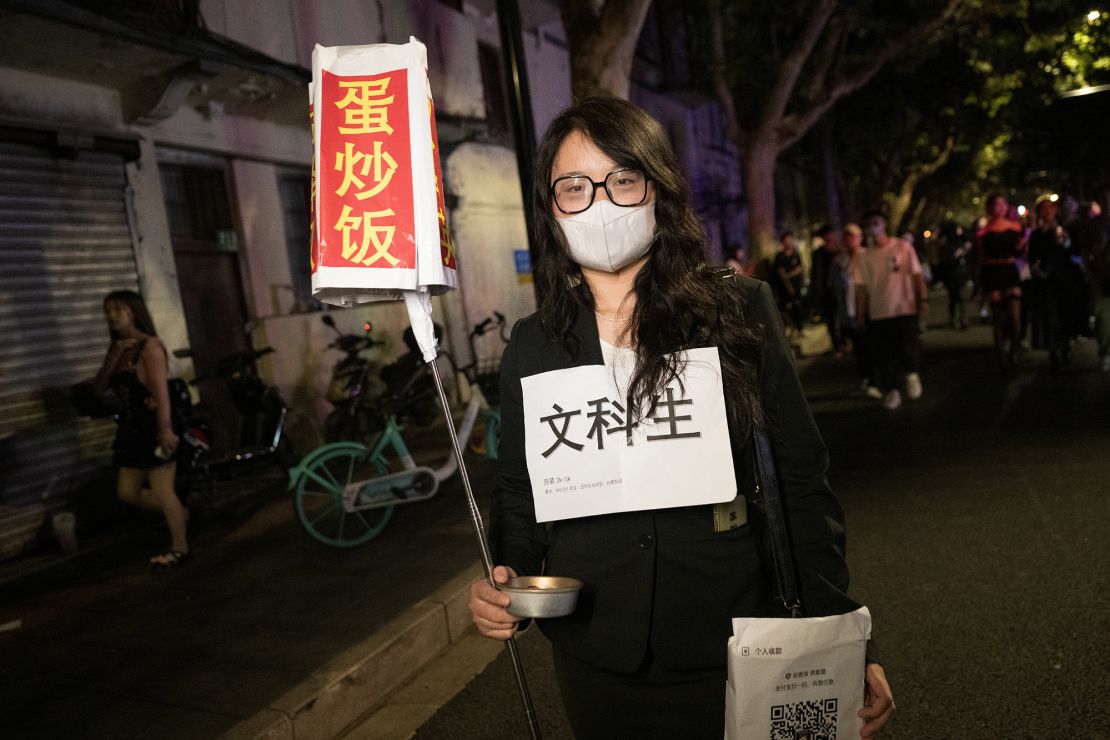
(624, 283)
(1000, 243)
(135, 370)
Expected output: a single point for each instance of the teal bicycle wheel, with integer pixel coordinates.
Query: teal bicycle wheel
(319, 498)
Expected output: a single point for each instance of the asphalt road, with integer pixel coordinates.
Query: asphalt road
(977, 531)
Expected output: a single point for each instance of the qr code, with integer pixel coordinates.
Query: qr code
(804, 720)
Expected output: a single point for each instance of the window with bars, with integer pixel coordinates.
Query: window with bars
(197, 206)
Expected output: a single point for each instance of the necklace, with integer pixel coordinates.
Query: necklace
(615, 320)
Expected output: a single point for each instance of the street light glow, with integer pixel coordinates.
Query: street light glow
(1022, 210)
(1093, 16)
(1054, 197)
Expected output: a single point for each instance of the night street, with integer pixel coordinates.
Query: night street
(259, 259)
(975, 519)
(976, 535)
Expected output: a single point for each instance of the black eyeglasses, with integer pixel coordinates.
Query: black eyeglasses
(575, 193)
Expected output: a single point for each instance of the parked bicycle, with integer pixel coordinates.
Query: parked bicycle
(345, 492)
(259, 439)
(486, 374)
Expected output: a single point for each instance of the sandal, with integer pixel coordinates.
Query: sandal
(169, 560)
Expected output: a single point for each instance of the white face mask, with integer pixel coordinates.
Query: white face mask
(608, 237)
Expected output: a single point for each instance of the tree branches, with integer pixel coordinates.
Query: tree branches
(790, 128)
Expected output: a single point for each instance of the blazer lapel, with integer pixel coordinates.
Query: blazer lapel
(589, 344)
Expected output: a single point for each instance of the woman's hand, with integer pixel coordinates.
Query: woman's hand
(168, 440)
(487, 606)
(120, 347)
(878, 702)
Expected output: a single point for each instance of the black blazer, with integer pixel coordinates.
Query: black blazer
(664, 577)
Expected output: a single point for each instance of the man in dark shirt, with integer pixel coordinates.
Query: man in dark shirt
(820, 291)
(788, 275)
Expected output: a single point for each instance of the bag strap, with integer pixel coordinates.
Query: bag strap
(767, 490)
(776, 523)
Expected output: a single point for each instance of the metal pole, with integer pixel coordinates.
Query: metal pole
(487, 561)
(520, 104)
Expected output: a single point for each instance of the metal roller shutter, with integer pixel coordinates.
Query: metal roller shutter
(65, 242)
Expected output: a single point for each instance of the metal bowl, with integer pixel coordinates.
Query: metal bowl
(542, 596)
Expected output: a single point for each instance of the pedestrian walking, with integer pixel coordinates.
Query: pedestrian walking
(843, 284)
(788, 277)
(952, 257)
(134, 369)
(622, 267)
(821, 289)
(891, 300)
(1095, 245)
(999, 246)
(1046, 292)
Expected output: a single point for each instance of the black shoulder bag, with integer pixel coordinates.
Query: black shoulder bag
(767, 490)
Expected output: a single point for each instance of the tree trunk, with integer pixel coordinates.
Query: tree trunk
(601, 42)
(915, 217)
(898, 204)
(758, 162)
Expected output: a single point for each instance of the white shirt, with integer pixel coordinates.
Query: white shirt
(888, 275)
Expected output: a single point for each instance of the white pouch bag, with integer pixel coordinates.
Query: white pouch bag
(796, 679)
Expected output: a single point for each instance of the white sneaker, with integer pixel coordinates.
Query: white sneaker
(913, 386)
(892, 400)
(873, 391)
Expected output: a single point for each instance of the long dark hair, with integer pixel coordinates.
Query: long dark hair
(680, 302)
(139, 313)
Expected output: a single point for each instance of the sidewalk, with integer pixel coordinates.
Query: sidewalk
(265, 633)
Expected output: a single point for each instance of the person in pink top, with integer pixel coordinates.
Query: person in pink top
(891, 300)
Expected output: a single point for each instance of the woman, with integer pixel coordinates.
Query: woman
(623, 279)
(135, 369)
(1049, 260)
(1000, 243)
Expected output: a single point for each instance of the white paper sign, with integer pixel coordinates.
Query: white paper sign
(795, 678)
(584, 461)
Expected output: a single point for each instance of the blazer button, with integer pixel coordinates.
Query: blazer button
(647, 541)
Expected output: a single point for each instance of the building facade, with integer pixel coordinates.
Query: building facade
(164, 147)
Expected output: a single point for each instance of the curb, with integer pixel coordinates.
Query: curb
(354, 682)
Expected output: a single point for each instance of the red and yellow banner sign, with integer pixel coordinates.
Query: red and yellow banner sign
(365, 176)
(379, 222)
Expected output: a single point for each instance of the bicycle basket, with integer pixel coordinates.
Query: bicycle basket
(488, 377)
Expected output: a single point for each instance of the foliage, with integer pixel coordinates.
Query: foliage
(935, 99)
(988, 81)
